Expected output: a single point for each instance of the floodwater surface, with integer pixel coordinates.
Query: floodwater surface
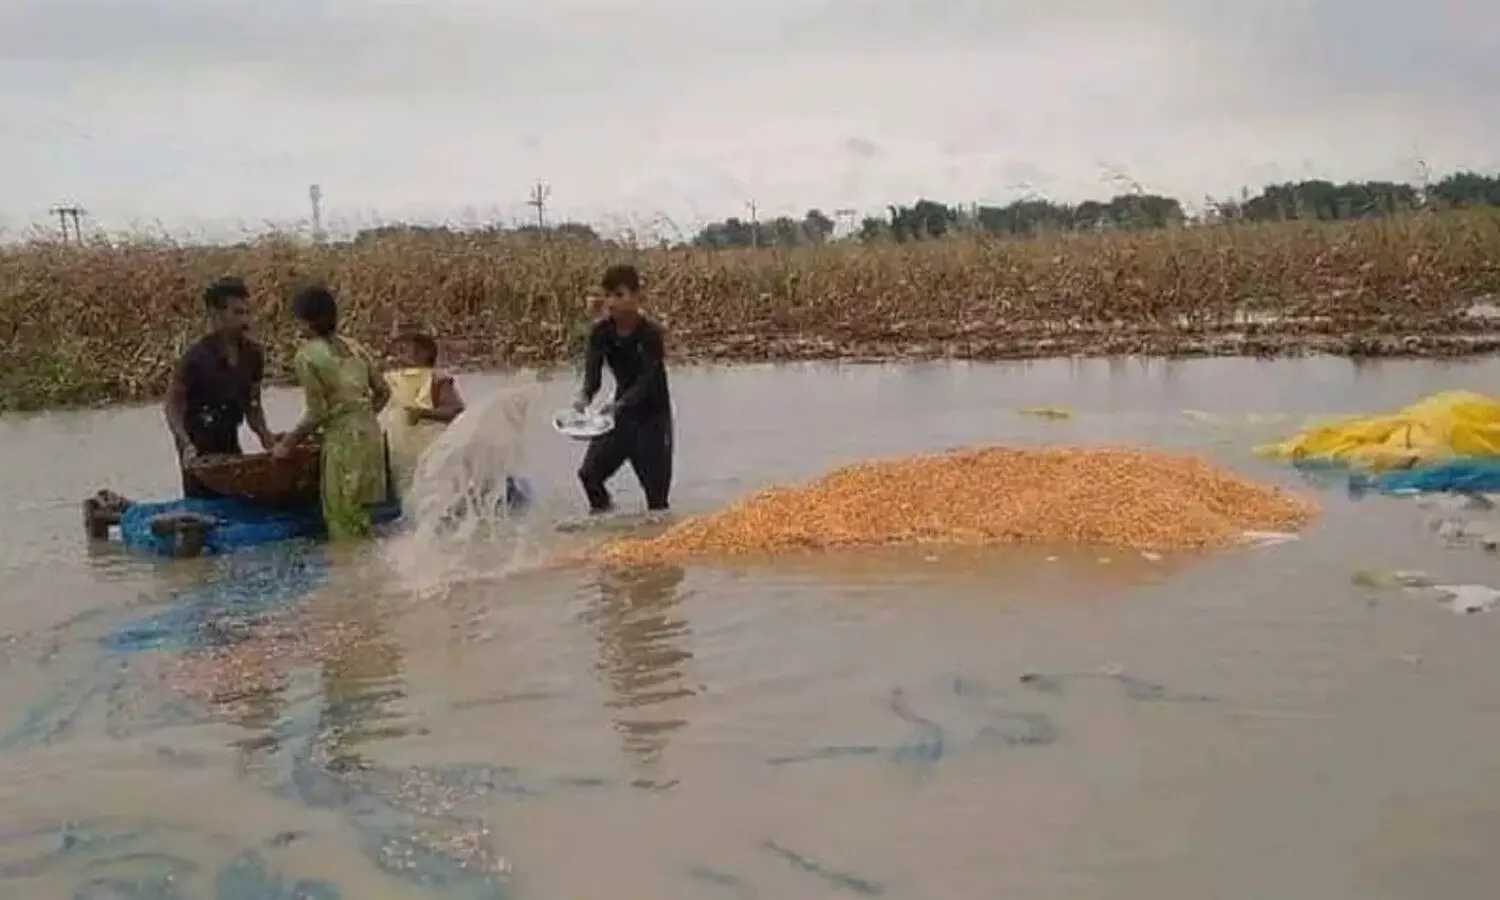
(905, 724)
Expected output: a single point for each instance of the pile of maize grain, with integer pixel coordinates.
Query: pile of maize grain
(1142, 499)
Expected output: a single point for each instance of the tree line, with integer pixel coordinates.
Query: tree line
(1313, 199)
(924, 219)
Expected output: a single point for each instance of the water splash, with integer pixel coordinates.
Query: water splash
(460, 525)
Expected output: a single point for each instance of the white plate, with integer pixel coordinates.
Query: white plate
(582, 426)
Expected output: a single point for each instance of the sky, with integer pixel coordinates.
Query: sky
(212, 117)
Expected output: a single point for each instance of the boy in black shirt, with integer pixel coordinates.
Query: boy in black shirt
(634, 348)
(217, 384)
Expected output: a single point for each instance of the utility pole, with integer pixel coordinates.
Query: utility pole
(315, 194)
(846, 215)
(540, 192)
(754, 223)
(63, 213)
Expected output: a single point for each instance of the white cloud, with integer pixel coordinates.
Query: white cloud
(204, 111)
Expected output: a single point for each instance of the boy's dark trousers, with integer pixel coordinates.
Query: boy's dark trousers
(644, 443)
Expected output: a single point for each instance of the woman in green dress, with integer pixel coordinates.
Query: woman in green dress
(344, 392)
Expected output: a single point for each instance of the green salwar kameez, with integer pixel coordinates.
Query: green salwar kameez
(336, 375)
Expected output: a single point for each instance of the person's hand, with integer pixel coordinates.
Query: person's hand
(609, 409)
(187, 453)
(282, 448)
(413, 415)
(270, 439)
(580, 403)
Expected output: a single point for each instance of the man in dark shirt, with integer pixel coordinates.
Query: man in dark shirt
(216, 385)
(634, 348)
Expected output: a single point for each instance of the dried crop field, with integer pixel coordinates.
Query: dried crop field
(102, 323)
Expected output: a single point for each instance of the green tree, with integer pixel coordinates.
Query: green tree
(1466, 189)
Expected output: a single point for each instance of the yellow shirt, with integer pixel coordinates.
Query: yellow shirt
(411, 389)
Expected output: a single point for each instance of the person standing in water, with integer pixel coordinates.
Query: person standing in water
(424, 400)
(635, 349)
(216, 386)
(344, 394)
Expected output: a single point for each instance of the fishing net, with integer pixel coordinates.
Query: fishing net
(1142, 499)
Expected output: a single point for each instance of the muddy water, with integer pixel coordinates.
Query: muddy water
(949, 725)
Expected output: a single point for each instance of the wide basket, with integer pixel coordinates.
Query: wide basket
(262, 479)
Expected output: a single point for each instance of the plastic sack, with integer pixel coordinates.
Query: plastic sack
(1440, 427)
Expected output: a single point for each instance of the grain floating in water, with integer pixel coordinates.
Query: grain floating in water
(1125, 497)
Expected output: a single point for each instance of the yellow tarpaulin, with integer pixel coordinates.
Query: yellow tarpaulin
(1453, 423)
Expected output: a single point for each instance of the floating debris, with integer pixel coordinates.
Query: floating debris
(1459, 598)
(1458, 532)
(1047, 412)
(1467, 598)
(833, 878)
(1267, 538)
(1399, 579)
(1134, 498)
(1135, 688)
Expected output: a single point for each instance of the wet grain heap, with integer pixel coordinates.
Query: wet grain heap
(1142, 499)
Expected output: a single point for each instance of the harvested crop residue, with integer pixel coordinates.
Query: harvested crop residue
(1142, 499)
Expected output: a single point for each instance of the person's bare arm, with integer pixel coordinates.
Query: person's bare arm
(255, 414)
(447, 403)
(255, 417)
(593, 369)
(380, 392)
(175, 409)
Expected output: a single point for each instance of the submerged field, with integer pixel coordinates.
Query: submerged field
(945, 722)
(103, 323)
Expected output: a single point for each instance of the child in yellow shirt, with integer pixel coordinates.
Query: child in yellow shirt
(424, 400)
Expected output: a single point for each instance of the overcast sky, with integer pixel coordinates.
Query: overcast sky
(206, 113)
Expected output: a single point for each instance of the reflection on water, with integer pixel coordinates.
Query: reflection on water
(642, 640)
(361, 680)
(955, 723)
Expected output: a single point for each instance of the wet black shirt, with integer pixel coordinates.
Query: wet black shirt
(219, 394)
(637, 361)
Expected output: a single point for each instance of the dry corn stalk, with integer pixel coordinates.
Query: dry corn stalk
(1143, 499)
(104, 322)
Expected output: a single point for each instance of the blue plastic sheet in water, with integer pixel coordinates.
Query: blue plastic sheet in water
(244, 524)
(246, 585)
(1463, 475)
(240, 525)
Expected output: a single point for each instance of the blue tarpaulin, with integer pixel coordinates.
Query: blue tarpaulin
(1463, 475)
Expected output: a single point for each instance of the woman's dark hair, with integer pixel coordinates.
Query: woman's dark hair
(621, 277)
(218, 294)
(316, 306)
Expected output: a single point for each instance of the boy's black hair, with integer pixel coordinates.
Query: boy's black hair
(621, 277)
(425, 344)
(218, 294)
(316, 305)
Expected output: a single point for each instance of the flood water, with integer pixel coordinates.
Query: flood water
(924, 725)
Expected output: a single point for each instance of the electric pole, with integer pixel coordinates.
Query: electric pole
(754, 223)
(64, 213)
(315, 194)
(540, 192)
